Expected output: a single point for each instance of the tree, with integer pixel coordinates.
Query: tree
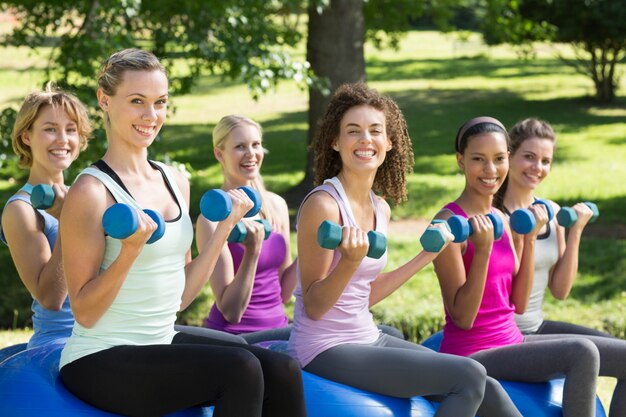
(239, 39)
(337, 31)
(594, 28)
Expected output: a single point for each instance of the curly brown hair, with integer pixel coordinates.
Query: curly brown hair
(390, 180)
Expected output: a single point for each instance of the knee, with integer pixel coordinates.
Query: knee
(283, 367)
(584, 351)
(246, 366)
(472, 377)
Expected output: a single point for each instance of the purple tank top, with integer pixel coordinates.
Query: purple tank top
(265, 310)
(495, 322)
(349, 320)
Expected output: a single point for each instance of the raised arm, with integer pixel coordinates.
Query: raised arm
(463, 293)
(93, 291)
(524, 275)
(288, 268)
(39, 267)
(211, 243)
(321, 286)
(564, 271)
(387, 282)
(233, 290)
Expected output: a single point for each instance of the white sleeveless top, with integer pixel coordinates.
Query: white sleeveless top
(144, 310)
(546, 255)
(349, 320)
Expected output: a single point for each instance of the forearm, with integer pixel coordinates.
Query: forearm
(466, 303)
(523, 280)
(199, 270)
(288, 280)
(321, 295)
(234, 300)
(95, 297)
(51, 287)
(386, 283)
(564, 272)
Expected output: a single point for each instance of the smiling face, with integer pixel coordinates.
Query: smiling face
(138, 109)
(485, 162)
(53, 139)
(531, 162)
(241, 154)
(362, 142)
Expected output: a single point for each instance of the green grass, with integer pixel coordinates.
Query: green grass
(438, 87)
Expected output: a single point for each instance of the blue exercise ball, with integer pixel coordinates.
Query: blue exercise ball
(9, 351)
(543, 399)
(326, 398)
(30, 387)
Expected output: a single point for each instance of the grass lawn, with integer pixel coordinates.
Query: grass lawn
(438, 86)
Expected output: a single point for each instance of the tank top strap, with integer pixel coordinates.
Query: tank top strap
(173, 185)
(333, 193)
(118, 193)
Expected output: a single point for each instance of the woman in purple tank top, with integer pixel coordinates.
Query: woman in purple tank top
(486, 280)
(252, 279)
(362, 144)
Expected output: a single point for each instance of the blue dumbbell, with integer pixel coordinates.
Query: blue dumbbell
(120, 221)
(433, 239)
(462, 229)
(523, 221)
(239, 232)
(567, 216)
(216, 204)
(42, 196)
(329, 237)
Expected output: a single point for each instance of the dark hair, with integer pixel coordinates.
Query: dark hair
(477, 126)
(390, 180)
(523, 130)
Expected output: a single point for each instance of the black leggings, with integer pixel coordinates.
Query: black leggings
(154, 380)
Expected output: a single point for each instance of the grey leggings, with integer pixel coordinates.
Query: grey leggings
(579, 358)
(399, 368)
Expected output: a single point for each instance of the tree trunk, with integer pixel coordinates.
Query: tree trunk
(335, 51)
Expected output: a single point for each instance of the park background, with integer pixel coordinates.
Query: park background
(439, 80)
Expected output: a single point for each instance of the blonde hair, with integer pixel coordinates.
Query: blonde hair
(30, 110)
(222, 129)
(111, 73)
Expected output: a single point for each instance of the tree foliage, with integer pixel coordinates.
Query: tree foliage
(594, 28)
(244, 40)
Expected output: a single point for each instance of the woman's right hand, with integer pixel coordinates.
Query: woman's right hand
(354, 244)
(242, 204)
(255, 236)
(144, 231)
(483, 232)
(60, 191)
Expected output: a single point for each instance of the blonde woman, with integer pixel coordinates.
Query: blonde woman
(50, 130)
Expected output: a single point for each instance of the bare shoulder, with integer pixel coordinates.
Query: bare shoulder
(277, 202)
(384, 205)
(444, 214)
(320, 205)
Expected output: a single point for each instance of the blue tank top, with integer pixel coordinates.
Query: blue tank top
(49, 326)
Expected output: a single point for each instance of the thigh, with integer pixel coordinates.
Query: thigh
(538, 359)
(394, 367)
(159, 379)
(210, 333)
(612, 351)
(282, 333)
(560, 327)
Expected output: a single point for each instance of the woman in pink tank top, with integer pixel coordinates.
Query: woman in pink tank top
(252, 279)
(485, 280)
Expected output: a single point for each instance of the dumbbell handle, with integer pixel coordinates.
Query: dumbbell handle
(462, 229)
(329, 236)
(240, 232)
(567, 216)
(523, 220)
(120, 221)
(216, 204)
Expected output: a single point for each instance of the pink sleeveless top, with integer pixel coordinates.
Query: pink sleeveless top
(349, 320)
(265, 310)
(495, 323)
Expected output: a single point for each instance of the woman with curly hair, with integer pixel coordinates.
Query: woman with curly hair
(362, 146)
